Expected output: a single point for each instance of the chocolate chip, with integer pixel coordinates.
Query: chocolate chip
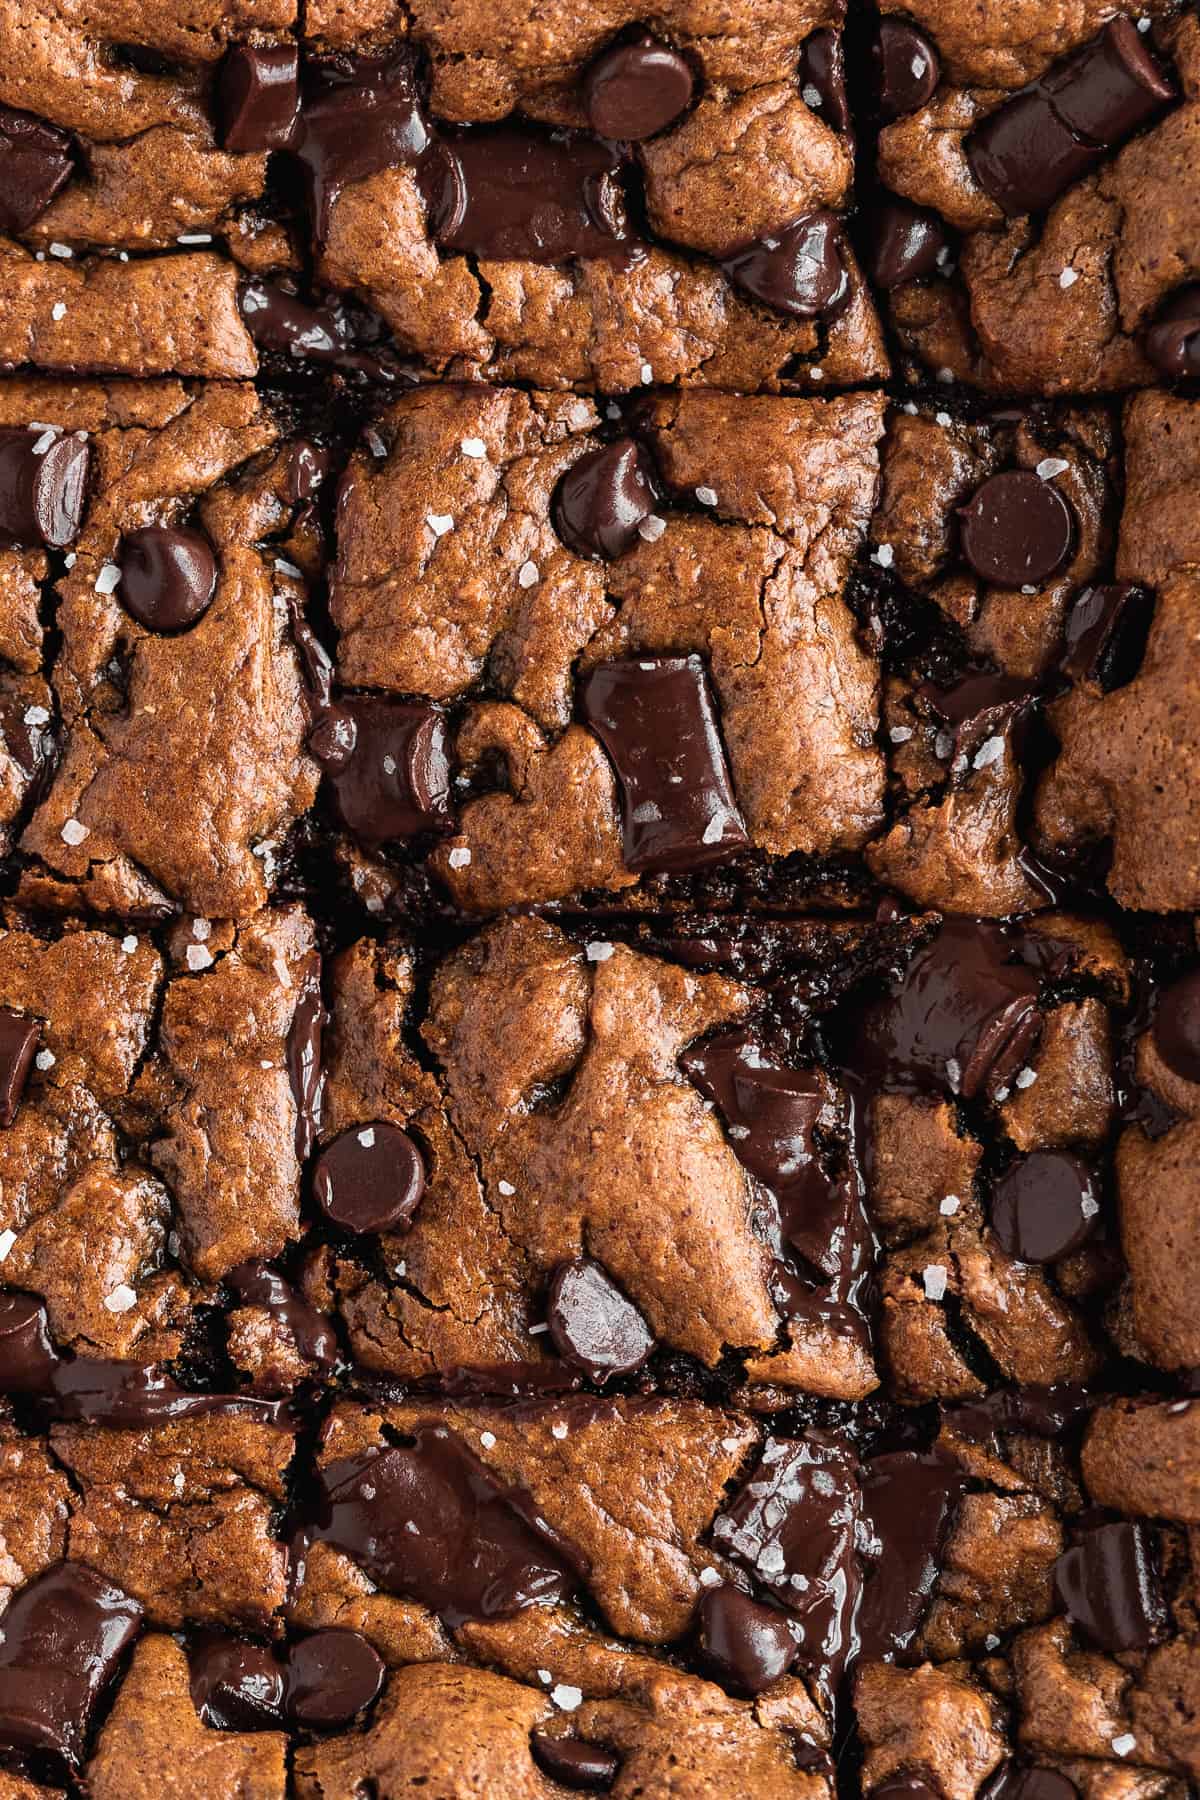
(397, 780)
(1105, 634)
(904, 243)
(256, 1283)
(822, 68)
(371, 1178)
(594, 1327)
(280, 323)
(332, 1676)
(1177, 1026)
(603, 498)
(18, 1041)
(333, 738)
(633, 90)
(1108, 1585)
(42, 491)
(906, 68)
(655, 718)
(748, 1644)
(236, 1686)
(168, 577)
(303, 1056)
(1032, 148)
(799, 270)
(574, 1763)
(308, 466)
(1044, 1206)
(28, 1359)
(505, 193)
(35, 162)
(909, 1502)
(62, 1638)
(258, 97)
(1017, 531)
(1173, 341)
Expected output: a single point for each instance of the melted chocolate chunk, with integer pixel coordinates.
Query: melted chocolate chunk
(1177, 1026)
(1017, 531)
(574, 1763)
(799, 270)
(904, 243)
(1013, 1782)
(793, 1526)
(772, 1112)
(655, 717)
(594, 1327)
(633, 90)
(508, 194)
(279, 322)
(42, 487)
(1043, 1412)
(371, 1178)
(963, 1017)
(61, 1639)
(1044, 1206)
(1031, 149)
(236, 1686)
(1105, 633)
(1108, 1585)
(333, 738)
(303, 1056)
(308, 466)
(822, 76)
(748, 1644)
(975, 696)
(906, 69)
(258, 97)
(168, 577)
(603, 498)
(28, 1358)
(35, 162)
(256, 1283)
(429, 1522)
(363, 116)
(18, 1041)
(396, 782)
(909, 1502)
(332, 1676)
(1173, 341)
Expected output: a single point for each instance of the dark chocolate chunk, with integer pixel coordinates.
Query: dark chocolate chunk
(903, 243)
(1106, 631)
(1032, 148)
(61, 1639)
(43, 482)
(1177, 1026)
(906, 68)
(256, 1283)
(397, 780)
(18, 1041)
(1049, 1412)
(1173, 341)
(655, 717)
(1044, 1206)
(279, 322)
(332, 1676)
(574, 1763)
(748, 1644)
(1108, 1585)
(962, 1018)
(168, 577)
(428, 1521)
(363, 116)
(303, 1056)
(794, 1526)
(822, 76)
(594, 1327)
(28, 1359)
(603, 498)
(258, 97)
(1017, 531)
(35, 162)
(332, 738)
(798, 270)
(371, 1178)
(504, 193)
(236, 1686)
(633, 90)
(308, 466)
(1012, 1781)
(909, 1502)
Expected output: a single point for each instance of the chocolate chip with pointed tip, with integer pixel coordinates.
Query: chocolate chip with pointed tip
(1177, 1026)
(594, 1326)
(168, 576)
(904, 243)
(18, 1041)
(370, 1179)
(748, 1644)
(604, 497)
(42, 489)
(1108, 1585)
(574, 1763)
(1017, 531)
(395, 782)
(1044, 1206)
(633, 90)
(35, 162)
(906, 68)
(799, 269)
(258, 97)
(332, 1677)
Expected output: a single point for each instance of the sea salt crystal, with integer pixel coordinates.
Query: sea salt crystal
(566, 1697)
(45, 1059)
(7, 1240)
(988, 753)
(488, 1439)
(36, 715)
(1051, 466)
(1124, 1744)
(459, 857)
(599, 952)
(73, 832)
(1068, 278)
(366, 1137)
(651, 528)
(108, 579)
(473, 447)
(440, 523)
(706, 496)
(558, 1431)
(950, 1205)
(197, 957)
(647, 374)
(1026, 1077)
(810, 95)
(712, 831)
(129, 945)
(506, 1187)
(527, 574)
(710, 1577)
(935, 1279)
(121, 1299)
(900, 734)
